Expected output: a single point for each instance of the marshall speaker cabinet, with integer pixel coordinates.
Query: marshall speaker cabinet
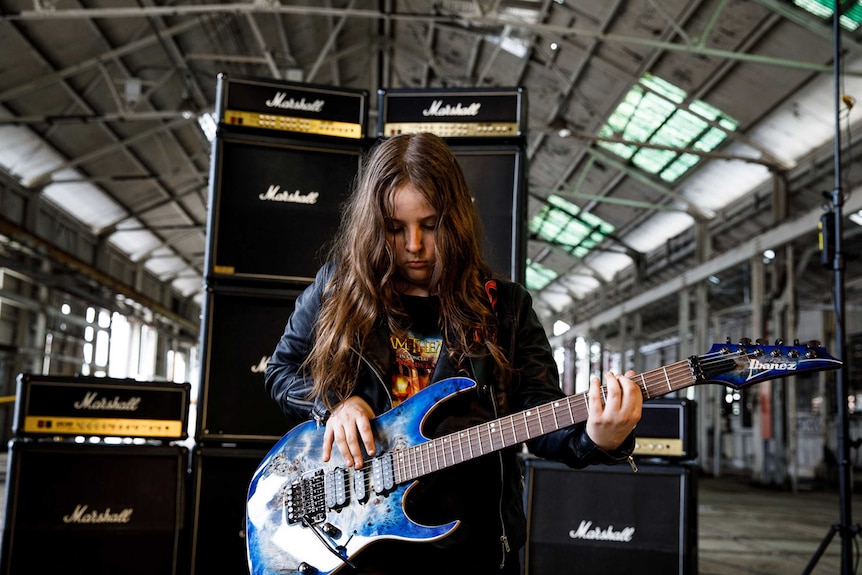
(220, 480)
(48, 406)
(495, 177)
(93, 509)
(648, 523)
(284, 159)
(240, 331)
(485, 129)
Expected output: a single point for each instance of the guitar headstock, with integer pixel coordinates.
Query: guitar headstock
(747, 362)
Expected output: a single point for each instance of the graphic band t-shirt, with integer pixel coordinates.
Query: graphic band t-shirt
(416, 355)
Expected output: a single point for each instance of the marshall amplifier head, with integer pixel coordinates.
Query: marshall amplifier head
(49, 406)
(667, 429)
(80, 508)
(453, 112)
(291, 107)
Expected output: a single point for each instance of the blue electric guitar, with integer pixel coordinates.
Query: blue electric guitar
(306, 516)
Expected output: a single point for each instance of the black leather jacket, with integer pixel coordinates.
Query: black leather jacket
(490, 486)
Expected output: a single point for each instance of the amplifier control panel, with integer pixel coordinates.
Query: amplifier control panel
(292, 124)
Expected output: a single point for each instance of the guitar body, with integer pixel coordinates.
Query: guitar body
(277, 545)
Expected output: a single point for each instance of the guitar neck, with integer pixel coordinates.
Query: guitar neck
(510, 430)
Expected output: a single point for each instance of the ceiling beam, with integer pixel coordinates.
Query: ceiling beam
(468, 19)
(115, 54)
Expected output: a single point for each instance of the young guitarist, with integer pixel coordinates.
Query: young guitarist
(407, 300)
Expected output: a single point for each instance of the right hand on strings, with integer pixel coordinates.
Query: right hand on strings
(349, 428)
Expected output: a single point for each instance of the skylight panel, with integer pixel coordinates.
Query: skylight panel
(825, 8)
(538, 276)
(654, 112)
(562, 223)
(514, 40)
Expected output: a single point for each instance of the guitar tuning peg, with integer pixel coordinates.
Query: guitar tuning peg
(745, 341)
(727, 341)
(762, 341)
(813, 343)
(795, 342)
(779, 342)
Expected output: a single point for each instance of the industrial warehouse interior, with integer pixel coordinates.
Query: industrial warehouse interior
(670, 179)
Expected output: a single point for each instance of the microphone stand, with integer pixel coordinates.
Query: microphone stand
(845, 528)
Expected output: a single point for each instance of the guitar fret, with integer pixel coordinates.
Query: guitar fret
(518, 433)
(644, 385)
(554, 413)
(669, 386)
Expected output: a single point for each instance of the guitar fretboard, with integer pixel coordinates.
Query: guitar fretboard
(461, 446)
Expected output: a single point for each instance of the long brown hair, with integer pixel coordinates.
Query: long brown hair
(363, 290)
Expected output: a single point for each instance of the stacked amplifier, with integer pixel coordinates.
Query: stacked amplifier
(486, 130)
(284, 159)
(78, 502)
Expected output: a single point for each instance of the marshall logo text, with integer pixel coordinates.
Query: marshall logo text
(260, 367)
(92, 401)
(280, 100)
(438, 109)
(81, 514)
(586, 531)
(275, 194)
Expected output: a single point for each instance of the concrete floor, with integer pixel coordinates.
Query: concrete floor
(749, 529)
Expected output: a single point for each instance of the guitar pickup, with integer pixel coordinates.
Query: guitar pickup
(359, 485)
(335, 486)
(382, 473)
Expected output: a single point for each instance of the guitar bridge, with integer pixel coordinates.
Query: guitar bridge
(305, 498)
(311, 496)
